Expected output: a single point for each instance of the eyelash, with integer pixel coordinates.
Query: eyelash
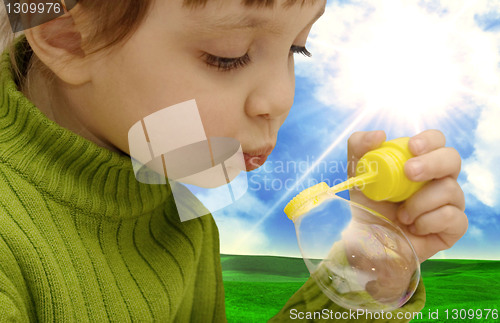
(225, 64)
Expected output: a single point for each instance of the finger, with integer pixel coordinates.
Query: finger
(426, 141)
(430, 197)
(448, 223)
(359, 143)
(435, 164)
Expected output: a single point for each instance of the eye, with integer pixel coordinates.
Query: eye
(225, 64)
(300, 50)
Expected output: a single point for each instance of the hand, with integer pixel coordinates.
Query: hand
(433, 218)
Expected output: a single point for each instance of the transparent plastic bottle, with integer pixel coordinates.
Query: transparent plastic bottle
(358, 257)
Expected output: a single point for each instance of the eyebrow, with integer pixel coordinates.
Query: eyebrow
(249, 23)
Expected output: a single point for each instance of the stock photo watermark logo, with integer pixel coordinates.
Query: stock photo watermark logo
(286, 175)
(31, 13)
(171, 145)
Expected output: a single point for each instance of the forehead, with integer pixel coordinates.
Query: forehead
(219, 15)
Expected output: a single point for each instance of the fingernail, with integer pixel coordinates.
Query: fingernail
(404, 216)
(418, 145)
(416, 167)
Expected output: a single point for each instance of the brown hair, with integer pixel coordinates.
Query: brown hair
(112, 21)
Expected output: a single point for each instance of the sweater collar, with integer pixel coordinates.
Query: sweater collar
(63, 165)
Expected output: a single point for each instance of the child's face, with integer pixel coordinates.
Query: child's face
(170, 59)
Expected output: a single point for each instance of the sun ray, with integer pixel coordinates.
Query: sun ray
(485, 96)
(347, 130)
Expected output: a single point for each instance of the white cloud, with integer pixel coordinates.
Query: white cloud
(475, 232)
(236, 223)
(482, 168)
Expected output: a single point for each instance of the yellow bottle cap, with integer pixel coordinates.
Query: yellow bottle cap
(391, 183)
(300, 200)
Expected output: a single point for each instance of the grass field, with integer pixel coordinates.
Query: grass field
(257, 287)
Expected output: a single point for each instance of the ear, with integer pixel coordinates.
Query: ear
(57, 44)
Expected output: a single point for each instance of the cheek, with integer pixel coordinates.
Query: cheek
(139, 83)
(134, 89)
(222, 115)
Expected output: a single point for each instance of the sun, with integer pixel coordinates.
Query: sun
(402, 64)
(407, 68)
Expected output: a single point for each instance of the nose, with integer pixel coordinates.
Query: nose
(273, 93)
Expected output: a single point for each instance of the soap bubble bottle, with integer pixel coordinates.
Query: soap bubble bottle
(358, 257)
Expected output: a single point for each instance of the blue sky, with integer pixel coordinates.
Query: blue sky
(397, 66)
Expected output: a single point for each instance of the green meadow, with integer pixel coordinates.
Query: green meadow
(257, 287)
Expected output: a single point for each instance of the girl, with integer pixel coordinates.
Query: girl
(80, 238)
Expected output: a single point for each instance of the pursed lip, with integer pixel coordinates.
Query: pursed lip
(256, 158)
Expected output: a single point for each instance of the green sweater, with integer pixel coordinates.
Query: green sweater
(82, 241)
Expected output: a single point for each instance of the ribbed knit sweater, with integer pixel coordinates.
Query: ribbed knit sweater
(81, 240)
